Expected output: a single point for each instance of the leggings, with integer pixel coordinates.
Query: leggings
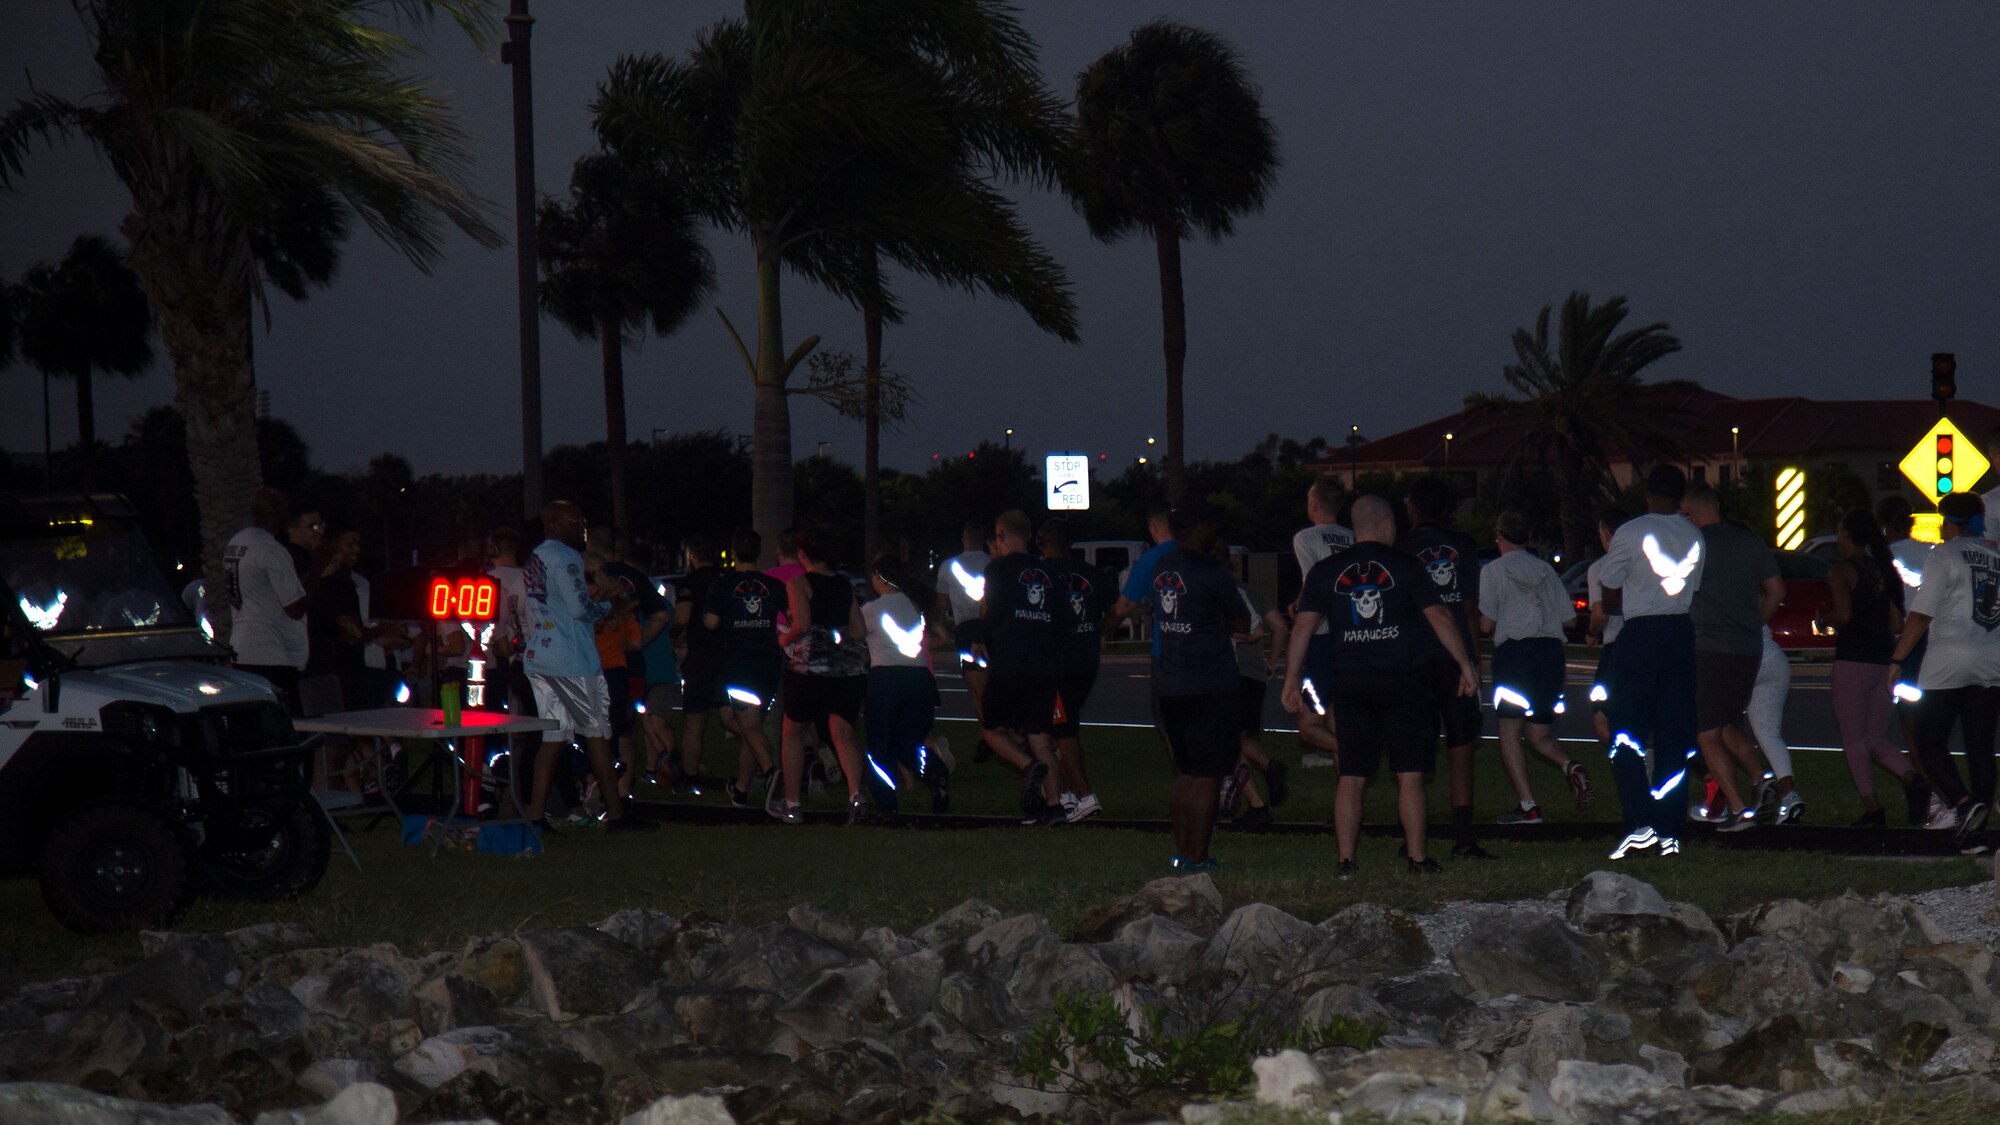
(1942, 709)
(1767, 709)
(1861, 707)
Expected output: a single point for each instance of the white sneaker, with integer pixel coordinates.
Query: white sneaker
(1069, 803)
(1791, 808)
(1084, 809)
(1739, 821)
(1670, 846)
(1943, 816)
(1643, 838)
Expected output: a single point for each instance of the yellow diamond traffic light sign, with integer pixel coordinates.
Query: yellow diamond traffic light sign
(1944, 461)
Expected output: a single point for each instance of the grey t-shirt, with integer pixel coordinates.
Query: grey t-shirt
(1725, 614)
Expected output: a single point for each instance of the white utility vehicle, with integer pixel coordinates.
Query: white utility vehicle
(136, 768)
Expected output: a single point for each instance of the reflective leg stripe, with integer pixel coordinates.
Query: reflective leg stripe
(1506, 696)
(1599, 694)
(880, 772)
(745, 696)
(1312, 694)
(1624, 741)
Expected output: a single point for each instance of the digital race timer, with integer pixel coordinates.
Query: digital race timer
(462, 598)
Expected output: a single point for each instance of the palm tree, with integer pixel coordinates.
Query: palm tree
(1581, 399)
(835, 135)
(84, 314)
(1171, 140)
(250, 134)
(621, 254)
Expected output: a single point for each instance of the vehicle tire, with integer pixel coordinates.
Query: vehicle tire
(289, 866)
(111, 866)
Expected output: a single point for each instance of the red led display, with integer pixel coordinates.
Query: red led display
(462, 599)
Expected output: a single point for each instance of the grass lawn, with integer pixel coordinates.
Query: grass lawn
(902, 877)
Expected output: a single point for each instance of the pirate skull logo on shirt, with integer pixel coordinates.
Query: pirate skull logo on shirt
(1170, 588)
(1036, 584)
(1441, 563)
(1079, 594)
(752, 596)
(1364, 584)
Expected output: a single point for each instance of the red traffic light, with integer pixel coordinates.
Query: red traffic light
(1944, 376)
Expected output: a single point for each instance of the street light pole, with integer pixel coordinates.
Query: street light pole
(515, 53)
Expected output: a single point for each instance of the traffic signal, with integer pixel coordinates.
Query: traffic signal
(1944, 463)
(1944, 376)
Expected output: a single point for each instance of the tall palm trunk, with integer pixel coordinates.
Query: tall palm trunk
(1573, 504)
(1173, 318)
(611, 342)
(871, 436)
(203, 328)
(771, 460)
(86, 426)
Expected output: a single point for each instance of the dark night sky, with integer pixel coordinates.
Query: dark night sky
(1805, 191)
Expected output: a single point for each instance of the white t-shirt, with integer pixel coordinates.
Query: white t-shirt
(1908, 557)
(1991, 497)
(1525, 598)
(512, 619)
(895, 633)
(1961, 596)
(1656, 561)
(1311, 545)
(1613, 622)
(963, 580)
(262, 582)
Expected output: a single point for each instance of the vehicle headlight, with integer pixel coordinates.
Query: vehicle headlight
(139, 722)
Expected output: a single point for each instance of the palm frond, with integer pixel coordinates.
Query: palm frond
(39, 119)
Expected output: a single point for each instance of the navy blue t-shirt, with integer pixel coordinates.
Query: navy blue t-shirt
(1374, 598)
(1020, 615)
(1083, 596)
(748, 603)
(1194, 608)
(1451, 560)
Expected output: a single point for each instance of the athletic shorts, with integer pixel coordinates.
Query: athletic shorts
(1384, 711)
(662, 698)
(618, 698)
(1072, 692)
(1202, 731)
(1457, 715)
(701, 685)
(817, 699)
(902, 702)
(1318, 671)
(1018, 702)
(963, 634)
(580, 705)
(1723, 682)
(1528, 679)
(1250, 692)
(749, 683)
(1601, 683)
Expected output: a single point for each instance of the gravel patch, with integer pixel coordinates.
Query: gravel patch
(1963, 913)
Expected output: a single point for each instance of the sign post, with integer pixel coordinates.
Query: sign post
(1068, 478)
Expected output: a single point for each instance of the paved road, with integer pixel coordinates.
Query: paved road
(1122, 689)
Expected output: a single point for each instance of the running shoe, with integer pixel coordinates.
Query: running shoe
(1470, 849)
(1943, 816)
(1278, 780)
(1873, 819)
(1257, 819)
(1086, 808)
(938, 778)
(1739, 820)
(791, 813)
(1764, 803)
(738, 797)
(1791, 808)
(1345, 871)
(1232, 788)
(1670, 846)
(1580, 788)
(1518, 815)
(1068, 800)
(1709, 813)
(579, 820)
(1635, 841)
(860, 809)
(630, 823)
(1032, 799)
(1425, 867)
(1973, 823)
(1316, 759)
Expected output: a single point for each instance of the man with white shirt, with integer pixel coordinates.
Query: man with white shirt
(961, 599)
(267, 601)
(1957, 610)
(1323, 539)
(1526, 608)
(1650, 575)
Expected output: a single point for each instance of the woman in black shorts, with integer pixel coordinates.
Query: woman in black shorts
(826, 671)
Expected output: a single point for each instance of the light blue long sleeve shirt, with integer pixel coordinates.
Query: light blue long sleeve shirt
(560, 613)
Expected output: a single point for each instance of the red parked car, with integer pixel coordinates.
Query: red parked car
(1806, 602)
